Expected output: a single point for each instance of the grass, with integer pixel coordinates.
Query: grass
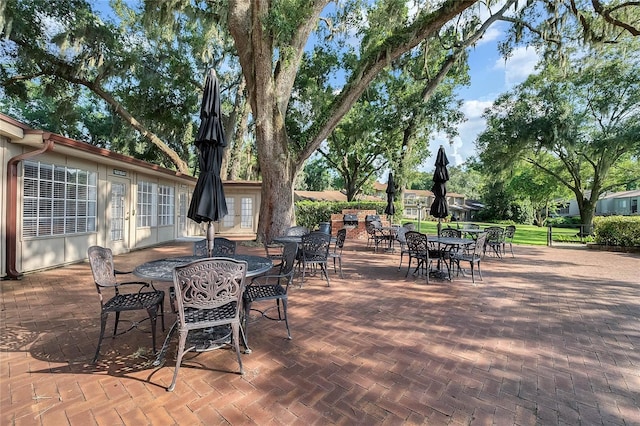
(525, 234)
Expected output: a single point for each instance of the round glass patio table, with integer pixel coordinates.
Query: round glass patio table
(162, 269)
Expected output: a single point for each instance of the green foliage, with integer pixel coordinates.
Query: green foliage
(311, 213)
(316, 176)
(573, 125)
(621, 231)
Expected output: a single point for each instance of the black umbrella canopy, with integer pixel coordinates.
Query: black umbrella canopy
(391, 194)
(439, 207)
(208, 202)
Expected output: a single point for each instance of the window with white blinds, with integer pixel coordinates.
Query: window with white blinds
(57, 200)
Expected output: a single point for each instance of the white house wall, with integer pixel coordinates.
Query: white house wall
(35, 253)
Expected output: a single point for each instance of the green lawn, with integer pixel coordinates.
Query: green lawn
(525, 234)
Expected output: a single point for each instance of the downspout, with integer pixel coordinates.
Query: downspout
(12, 205)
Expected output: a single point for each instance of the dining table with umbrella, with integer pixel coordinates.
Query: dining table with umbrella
(208, 202)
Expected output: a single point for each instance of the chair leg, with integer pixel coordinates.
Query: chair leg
(479, 271)
(103, 326)
(153, 317)
(115, 325)
(235, 327)
(401, 256)
(473, 279)
(286, 317)
(182, 341)
(340, 264)
(323, 268)
(247, 309)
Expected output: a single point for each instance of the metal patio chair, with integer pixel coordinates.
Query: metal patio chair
(271, 287)
(208, 295)
(104, 276)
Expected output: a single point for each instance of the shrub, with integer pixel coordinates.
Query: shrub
(311, 213)
(621, 231)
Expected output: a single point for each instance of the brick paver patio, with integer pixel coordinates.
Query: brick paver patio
(549, 337)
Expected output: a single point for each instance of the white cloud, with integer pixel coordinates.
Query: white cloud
(518, 67)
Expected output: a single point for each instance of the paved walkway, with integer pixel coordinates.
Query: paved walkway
(550, 337)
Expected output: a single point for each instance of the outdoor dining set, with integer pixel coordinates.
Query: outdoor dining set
(213, 290)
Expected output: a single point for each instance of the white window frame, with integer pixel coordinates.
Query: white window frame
(166, 205)
(147, 205)
(57, 200)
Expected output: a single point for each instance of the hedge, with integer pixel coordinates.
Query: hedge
(311, 213)
(623, 231)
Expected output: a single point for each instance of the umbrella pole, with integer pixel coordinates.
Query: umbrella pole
(210, 237)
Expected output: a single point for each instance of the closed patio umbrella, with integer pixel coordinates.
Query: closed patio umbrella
(390, 210)
(439, 207)
(208, 203)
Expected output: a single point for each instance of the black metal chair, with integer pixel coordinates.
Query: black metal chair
(509, 233)
(274, 251)
(473, 256)
(296, 231)
(401, 238)
(377, 235)
(104, 276)
(336, 253)
(494, 240)
(418, 249)
(200, 248)
(271, 287)
(222, 247)
(450, 233)
(314, 252)
(208, 295)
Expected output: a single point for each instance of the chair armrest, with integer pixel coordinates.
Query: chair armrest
(119, 272)
(266, 279)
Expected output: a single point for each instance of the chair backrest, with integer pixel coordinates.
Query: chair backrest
(401, 235)
(478, 245)
(315, 246)
(223, 247)
(450, 233)
(341, 236)
(296, 231)
(101, 261)
(472, 226)
(370, 227)
(208, 284)
(494, 233)
(417, 242)
(273, 250)
(509, 232)
(200, 248)
(409, 226)
(289, 253)
(376, 224)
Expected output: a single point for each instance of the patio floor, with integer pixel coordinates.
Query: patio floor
(549, 337)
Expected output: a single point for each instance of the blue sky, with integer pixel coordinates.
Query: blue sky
(490, 75)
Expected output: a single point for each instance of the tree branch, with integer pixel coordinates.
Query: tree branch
(606, 14)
